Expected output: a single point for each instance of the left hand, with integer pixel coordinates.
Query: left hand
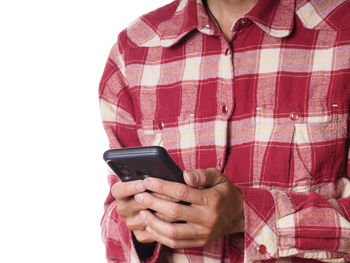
(216, 209)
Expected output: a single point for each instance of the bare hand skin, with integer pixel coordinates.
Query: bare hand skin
(129, 209)
(216, 210)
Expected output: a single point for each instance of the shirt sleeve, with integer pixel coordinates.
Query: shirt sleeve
(119, 122)
(305, 225)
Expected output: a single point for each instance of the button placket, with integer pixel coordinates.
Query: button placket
(225, 99)
(226, 90)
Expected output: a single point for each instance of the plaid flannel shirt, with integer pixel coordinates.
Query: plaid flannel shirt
(270, 109)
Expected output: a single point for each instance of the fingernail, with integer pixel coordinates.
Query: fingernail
(139, 198)
(139, 186)
(148, 229)
(192, 176)
(195, 176)
(147, 182)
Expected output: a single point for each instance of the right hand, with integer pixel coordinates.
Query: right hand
(129, 209)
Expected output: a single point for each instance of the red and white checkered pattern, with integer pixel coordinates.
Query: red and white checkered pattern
(270, 109)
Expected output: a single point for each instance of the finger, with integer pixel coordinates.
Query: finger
(203, 178)
(130, 207)
(172, 210)
(126, 189)
(175, 190)
(165, 218)
(174, 231)
(165, 197)
(175, 244)
(168, 198)
(143, 236)
(135, 223)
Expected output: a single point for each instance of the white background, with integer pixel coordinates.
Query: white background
(52, 176)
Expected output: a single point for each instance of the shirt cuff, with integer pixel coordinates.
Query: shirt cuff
(261, 241)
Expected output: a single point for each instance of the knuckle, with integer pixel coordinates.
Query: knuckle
(172, 233)
(212, 221)
(175, 212)
(216, 200)
(181, 191)
(173, 244)
(204, 199)
(122, 211)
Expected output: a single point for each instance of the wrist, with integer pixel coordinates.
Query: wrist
(239, 221)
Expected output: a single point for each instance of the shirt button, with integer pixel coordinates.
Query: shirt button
(243, 21)
(220, 163)
(224, 109)
(161, 125)
(262, 249)
(228, 52)
(207, 26)
(294, 116)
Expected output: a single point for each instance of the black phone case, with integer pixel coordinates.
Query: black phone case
(138, 163)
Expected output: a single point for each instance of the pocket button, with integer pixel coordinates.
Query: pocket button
(262, 249)
(161, 125)
(294, 116)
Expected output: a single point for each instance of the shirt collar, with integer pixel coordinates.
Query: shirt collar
(275, 17)
(189, 15)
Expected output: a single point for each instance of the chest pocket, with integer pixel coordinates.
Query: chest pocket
(175, 133)
(299, 151)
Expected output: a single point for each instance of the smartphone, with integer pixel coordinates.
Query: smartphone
(138, 163)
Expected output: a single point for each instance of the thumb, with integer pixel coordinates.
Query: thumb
(203, 178)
